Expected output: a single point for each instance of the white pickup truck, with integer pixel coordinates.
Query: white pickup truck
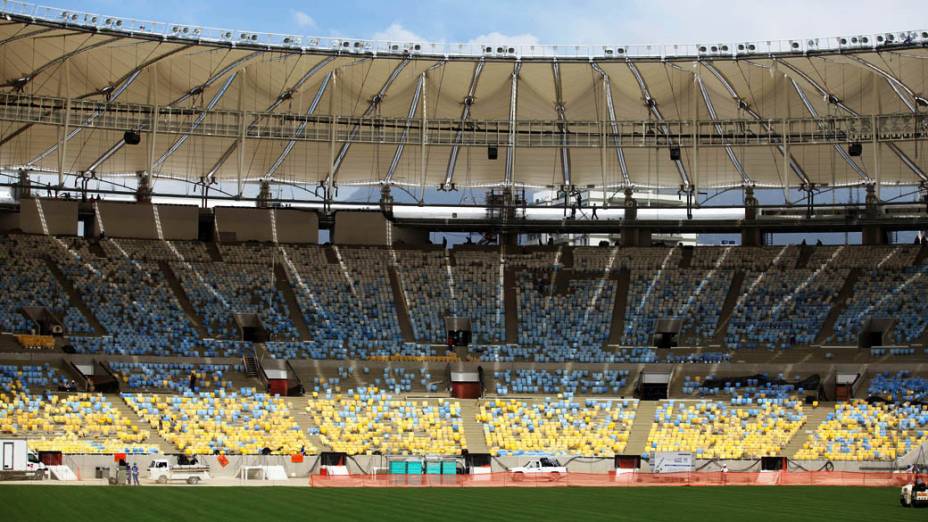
(541, 467)
(161, 471)
(914, 495)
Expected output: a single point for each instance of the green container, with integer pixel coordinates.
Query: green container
(413, 467)
(433, 468)
(449, 467)
(398, 467)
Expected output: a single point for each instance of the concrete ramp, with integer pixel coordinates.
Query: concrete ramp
(63, 473)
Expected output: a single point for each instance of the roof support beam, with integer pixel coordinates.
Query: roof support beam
(610, 108)
(562, 123)
(107, 91)
(179, 142)
(838, 148)
(21, 82)
(371, 108)
(410, 114)
(746, 107)
(469, 100)
(729, 150)
(110, 97)
(213, 78)
(655, 111)
(905, 94)
(290, 144)
(513, 108)
(834, 100)
(281, 98)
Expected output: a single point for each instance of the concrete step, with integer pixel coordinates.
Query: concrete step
(75, 297)
(641, 428)
(837, 306)
(213, 249)
(511, 305)
(814, 418)
(154, 438)
(617, 327)
(297, 407)
(728, 306)
(182, 299)
(402, 308)
(473, 430)
(282, 282)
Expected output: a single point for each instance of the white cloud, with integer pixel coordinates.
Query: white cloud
(397, 33)
(303, 20)
(497, 38)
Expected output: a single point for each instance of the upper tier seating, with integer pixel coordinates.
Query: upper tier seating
(858, 431)
(885, 293)
(590, 427)
(149, 250)
(559, 381)
(27, 281)
(132, 300)
(899, 387)
(743, 428)
(171, 377)
(694, 297)
(426, 278)
(241, 423)
(478, 294)
(218, 291)
(783, 308)
(367, 420)
(573, 326)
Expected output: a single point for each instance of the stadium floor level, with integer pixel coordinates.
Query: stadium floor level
(201, 504)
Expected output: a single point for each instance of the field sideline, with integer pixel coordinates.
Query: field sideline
(745, 504)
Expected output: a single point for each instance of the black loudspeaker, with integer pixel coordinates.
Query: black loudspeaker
(674, 153)
(855, 149)
(492, 153)
(132, 138)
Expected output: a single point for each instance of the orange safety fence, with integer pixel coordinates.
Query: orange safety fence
(634, 479)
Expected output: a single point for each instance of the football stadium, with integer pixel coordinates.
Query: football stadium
(250, 275)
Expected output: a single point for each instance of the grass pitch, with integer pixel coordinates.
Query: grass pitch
(227, 504)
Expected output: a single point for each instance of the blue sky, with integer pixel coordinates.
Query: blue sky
(543, 21)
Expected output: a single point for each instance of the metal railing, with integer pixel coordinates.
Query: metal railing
(50, 110)
(342, 45)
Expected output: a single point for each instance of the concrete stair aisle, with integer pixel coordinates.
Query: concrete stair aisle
(805, 253)
(75, 297)
(686, 258)
(838, 306)
(402, 309)
(213, 249)
(282, 282)
(473, 430)
(814, 418)
(617, 327)
(182, 298)
(728, 306)
(297, 407)
(511, 305)
(641, 428)
(154, 438)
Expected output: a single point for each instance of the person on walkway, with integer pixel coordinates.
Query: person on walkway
(135, 473)
(594, 212)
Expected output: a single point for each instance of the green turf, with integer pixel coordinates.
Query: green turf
(256, 504)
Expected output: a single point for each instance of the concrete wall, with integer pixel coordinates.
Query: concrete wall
(297, 226)
(370, 228)
(9, 222)
(60, 217)
(243, 224)
(130, 220)
(179, 221)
